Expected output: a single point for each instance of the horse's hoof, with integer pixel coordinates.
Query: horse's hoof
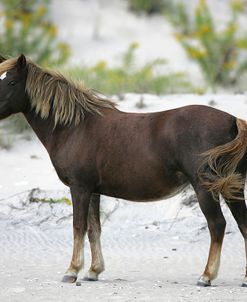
(244, 284)
(90, 279)
(91, 276)
(203, 282)
(69, 279)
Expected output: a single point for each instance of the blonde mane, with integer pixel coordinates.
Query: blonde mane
(51, 92)
(7, 65)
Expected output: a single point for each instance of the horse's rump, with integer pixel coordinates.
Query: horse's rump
(218, 171)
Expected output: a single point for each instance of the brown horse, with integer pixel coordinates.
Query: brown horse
(97, 149)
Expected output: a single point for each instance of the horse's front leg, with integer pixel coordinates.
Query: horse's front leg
(80, 200)
(94, 231)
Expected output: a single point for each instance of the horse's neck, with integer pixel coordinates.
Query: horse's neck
(42, 127)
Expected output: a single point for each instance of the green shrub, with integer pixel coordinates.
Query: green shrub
(9, 128)
(27, 29)
(221, 54)
(17, 123)
(128, 78)
(179, 17)
(148, 6)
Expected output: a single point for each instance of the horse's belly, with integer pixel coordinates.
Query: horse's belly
(137, 190)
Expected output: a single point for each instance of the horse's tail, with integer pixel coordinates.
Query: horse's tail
(218, 171)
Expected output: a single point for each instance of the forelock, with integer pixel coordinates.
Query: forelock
(7, 65)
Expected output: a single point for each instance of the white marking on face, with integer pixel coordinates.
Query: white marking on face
(3, 76)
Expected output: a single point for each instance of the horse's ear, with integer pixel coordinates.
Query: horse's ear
(2, 59)
(21, 62)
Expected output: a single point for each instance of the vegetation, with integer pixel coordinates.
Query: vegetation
(27, 29)
(221, 54)
(33, 196)
(51, 200)
(10, 127)
(148, 6)
(127, 77)
(17, 124)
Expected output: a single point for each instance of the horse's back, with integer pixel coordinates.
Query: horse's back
(202, 127)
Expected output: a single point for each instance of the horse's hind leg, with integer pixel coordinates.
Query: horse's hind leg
(94, 231)
(216, 224)
(239, 212)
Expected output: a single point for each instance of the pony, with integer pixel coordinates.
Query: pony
(97, 149)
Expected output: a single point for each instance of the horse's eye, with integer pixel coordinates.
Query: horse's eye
(12, 83)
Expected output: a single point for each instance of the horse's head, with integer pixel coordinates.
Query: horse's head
(13, 74)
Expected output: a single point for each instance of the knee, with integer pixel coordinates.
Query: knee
(79, 228)
(93, 234)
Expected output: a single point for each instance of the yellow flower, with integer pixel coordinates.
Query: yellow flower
(63, 46)
(201, 6)
(101, 65)
(26, 19)
(199, 90)
(9, 24)
(229, 64)
(134, 45)
(242, 43)
(179, 36)
(52, 30)
(202, 3)
(237, 5)
(232, 28)
(64, 49)
(196, 53)
(205, 29)
(41, 11)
